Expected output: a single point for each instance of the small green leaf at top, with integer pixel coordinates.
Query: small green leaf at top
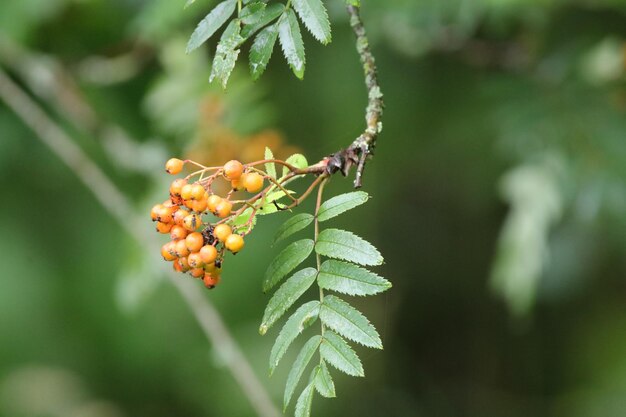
(286, 296)
(300, 320)
(293, 225)
(297, 160)
(300, 364)
(339, 354)
(270, 167)
(340, 204)
(261, 51)
(303, 406)
(350, 279)
(211, 23)
(252, 13)
(291, 42)
(314, 16)
(270, 14)
(324, 382)
(286, 261)
(349, 322)
(226, 53)
(340, 244)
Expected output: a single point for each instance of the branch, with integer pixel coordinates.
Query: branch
(112, 199)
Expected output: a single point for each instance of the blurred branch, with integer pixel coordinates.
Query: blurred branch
(119, 207)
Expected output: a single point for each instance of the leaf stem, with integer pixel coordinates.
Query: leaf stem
(318, 260)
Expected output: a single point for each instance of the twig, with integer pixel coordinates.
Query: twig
(118, 206)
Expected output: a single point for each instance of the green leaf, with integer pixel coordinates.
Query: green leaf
(189, 3)
(341, 203)
(303, 406)
(252, 13)
(315, 18)
(270, 167)
(324, 382)
(293, 225)
(261, 51)
(349, 322)
(297, 160)
(340, 244)
(226, 53)
(339, 354)
(243, 218)
(300, 320)
(291, 42)
(355, 3)
(350, 279)
(267, 204)
(211, 23)
(286, 261)
(270, 13)
(286, 296)
(300, 364)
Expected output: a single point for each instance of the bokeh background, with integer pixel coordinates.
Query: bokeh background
(499, 202)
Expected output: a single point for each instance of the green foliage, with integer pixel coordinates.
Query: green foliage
(339, 320)
(274, 21)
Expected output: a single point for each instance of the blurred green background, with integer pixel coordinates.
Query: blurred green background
(499, 202)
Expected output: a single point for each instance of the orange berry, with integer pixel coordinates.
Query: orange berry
(213, 201)
(168, 203)
(167, 251)
(233, 170)
(238, 183)
(253, 182)
(208, 253)
(177, 186)
(192, 222)
(223, 209)
(163, 227)
(197, 272)
(222, 231)
(186, 192)
(210, 280)
(154, 212)
(177, 266)
(165, 214)
(181, 248)
(174, 166)
(178, 232)
(184, 264)
(195, 260)
(234, 243)
(194, 241)
(199, 206)
(179, 216)
(197, 192)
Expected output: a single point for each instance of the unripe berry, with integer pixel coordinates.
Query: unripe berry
(233, 170)
(174, 166)
(178, 232)
(197, 272)
(208, 253)
(163, 227)
(253, 182)
(186, 192)
(234, 243)
(192, 222)
(213, 201)
(210, 280)
(195, 260)
(223, 209)
(177, 186)
(222, 231)
(181, 248)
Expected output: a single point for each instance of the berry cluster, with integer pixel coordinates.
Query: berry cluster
(202, 225)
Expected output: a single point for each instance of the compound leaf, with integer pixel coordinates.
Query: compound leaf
(286, 261)
(350, 279)
(300, 364)
(349, 322)
(211, 23)
(339, 354)
(315, 18)
(341, 203)
(293, 225)
(270, 13)
(340, 244)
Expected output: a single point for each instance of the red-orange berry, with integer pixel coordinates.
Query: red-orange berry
(223, 209)
(177, 186)
(163, 227)
(181, 248)
(195, 260)
(194, 242)
(222, 231)
(234, 243)
(177, 266)
(253, 182)
(233, 170)
(174, 166)
(178, 232)
(192, 222)
(197, 272)
(211, 280)
(208, 253)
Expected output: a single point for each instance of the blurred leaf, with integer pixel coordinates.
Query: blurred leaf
(324, 382)
(315, 18)
(226, 53)
(339, 354)
(350, 279)
(286, 296)
(261, 50)
(291, 42)
(349, 322)
(303, 406)
(270, 14)
(270, 167)
(252, 13)
(300, 320)
(299, 366)
(286, 261)
(340, 204)
(297, 160)
(211, 23)
(293, 225)
(340, 244)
